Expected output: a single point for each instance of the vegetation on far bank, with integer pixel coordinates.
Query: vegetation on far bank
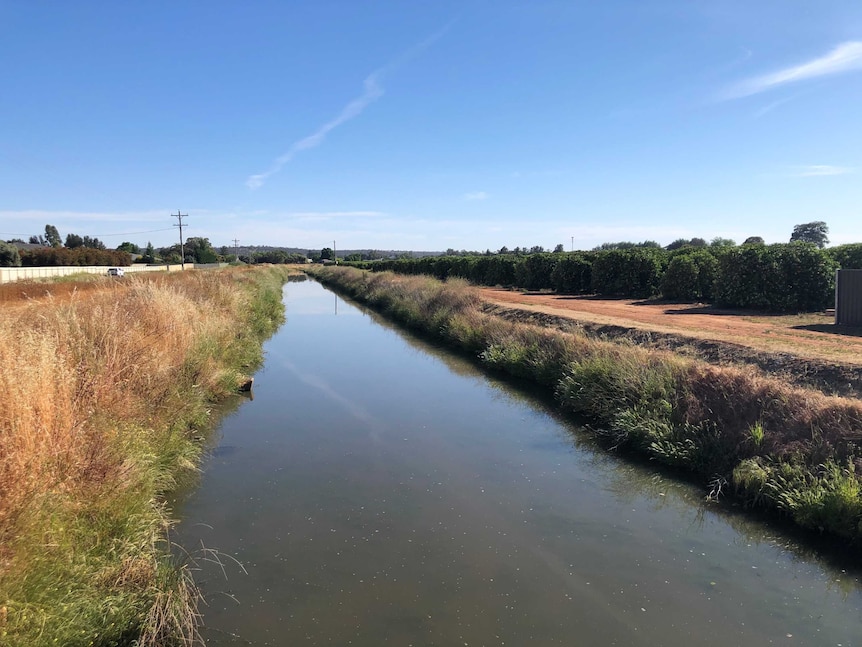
(782, 278)
(791, 277)
(106, 396)
(771, 445)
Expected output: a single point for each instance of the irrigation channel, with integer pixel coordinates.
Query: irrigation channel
(379, 491)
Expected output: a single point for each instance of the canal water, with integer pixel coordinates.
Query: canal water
(380, 491)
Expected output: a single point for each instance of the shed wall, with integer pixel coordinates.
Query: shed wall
(848, 298)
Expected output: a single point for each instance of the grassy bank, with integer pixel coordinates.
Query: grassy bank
(771, 445)
(105, 395)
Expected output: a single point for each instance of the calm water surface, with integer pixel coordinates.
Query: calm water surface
(378, 491)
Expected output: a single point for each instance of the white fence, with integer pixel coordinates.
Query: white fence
(10, 274)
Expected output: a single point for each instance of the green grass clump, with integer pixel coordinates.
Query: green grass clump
(757, 433)
(612, 379)
(825, 497)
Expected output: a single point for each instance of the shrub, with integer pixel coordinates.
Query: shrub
(848, 257)
(808, 275)
(502, 271)
(9, 256)
(793, 277)
(690, 276)
(634, 272)
(680, 280)
(534, 272)
(573, 274)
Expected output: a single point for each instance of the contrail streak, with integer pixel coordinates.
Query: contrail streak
(372, 89)
(843, 58)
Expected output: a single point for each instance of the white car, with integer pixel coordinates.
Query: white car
(116, 271)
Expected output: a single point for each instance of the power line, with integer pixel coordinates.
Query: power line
(179, 216)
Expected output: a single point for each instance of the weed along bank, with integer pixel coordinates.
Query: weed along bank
(108, 394)
(381, 490)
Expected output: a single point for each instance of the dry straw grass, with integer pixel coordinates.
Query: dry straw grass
(113, 354)
(101, 388)
(18, 291)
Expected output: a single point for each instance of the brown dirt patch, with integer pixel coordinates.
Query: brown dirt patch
(807, 350)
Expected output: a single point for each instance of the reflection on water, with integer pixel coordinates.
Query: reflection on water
(379, 491)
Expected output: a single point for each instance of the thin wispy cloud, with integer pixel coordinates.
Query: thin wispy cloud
(765, 110)
(477, 195)
(372, 90)
(845, 57)
(819, 170)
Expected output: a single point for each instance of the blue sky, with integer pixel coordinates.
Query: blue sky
(427, 125)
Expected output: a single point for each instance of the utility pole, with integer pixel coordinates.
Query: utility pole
(179, 216)
(573, 243)
(236, 248)
(334, 255)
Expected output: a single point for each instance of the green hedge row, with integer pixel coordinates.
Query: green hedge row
(786, 278)
(78, 256)
(793, 277)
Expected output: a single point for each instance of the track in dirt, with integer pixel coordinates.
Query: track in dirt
(810, 335)
(808, 350)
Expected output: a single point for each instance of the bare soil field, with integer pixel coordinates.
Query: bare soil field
(805, 349)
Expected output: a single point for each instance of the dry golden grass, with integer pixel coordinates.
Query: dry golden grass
(101, 387)
(58, 288)
(110, 354)
(735, 398)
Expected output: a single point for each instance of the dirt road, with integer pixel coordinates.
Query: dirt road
(812, 336)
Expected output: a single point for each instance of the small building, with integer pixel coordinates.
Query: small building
(848, 298)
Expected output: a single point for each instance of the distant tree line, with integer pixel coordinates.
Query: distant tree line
(77, 256)
(51, 238)
(796, 276)
(51, 250)
(791, 277)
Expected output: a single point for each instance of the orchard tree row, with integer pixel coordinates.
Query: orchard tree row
(785, 277)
